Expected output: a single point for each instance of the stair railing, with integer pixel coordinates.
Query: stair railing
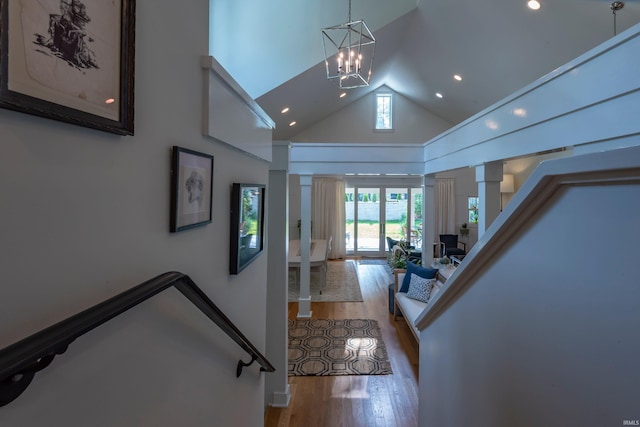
(20, 361)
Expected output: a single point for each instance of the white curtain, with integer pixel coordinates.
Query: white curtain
(445, 196)
(328, 213)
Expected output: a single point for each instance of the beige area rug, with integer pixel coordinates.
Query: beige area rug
(322, 347)
(342, 284)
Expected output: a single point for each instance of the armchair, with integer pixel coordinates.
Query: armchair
(400, 252)
(450, 246)
(391, 243)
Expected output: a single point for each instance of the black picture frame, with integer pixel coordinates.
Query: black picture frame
(247, 225)
(191, 189)
(73, 63)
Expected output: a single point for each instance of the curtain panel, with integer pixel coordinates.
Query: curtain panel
(328, 213)
(445, 198)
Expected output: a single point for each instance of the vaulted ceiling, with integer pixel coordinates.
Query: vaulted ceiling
(274, 50)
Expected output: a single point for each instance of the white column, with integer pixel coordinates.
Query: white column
(304, 303)
(277, 384)
(428, 218)
(488, 177)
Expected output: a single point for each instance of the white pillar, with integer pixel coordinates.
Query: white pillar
(428, 218)
(304, 303)
(277, 383)
(488, 177)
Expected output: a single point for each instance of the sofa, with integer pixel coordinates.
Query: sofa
(410, 307)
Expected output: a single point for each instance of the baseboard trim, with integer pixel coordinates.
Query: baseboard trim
(281, 399)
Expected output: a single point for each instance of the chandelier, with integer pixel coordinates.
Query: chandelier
(348, 52)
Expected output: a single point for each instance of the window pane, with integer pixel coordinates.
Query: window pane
(350, 217)
(368, 224)
(383, 111)
(396, 213)
(473, 209)
(416, 216)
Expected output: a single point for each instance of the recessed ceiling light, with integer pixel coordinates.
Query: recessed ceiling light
(492, 124)
(109, 101)
(293, 123)
(343, 94)
(285, 110)
(439, 95)
(533, 4)
(458, 77)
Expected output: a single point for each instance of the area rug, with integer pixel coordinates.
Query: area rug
(373, 261)
(342, 284)
(320, 347)
(377, 261)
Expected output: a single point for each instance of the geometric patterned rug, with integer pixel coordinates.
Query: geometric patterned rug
(336, 347)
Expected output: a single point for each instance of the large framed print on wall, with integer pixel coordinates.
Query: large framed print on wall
(69, 60)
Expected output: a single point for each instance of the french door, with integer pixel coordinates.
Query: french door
(376, 212)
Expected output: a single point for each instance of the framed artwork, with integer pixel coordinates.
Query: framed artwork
(69, 60)
(247, 225)
(191, 189)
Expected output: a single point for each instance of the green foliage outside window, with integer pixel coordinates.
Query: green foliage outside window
(249, 219)
(473, 209)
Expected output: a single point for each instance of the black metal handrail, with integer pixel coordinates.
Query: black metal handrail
(20, 361)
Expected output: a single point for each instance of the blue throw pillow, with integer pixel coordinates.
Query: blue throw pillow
(425, 273)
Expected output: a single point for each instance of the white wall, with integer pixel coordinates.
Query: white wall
(355, 123)
(277, 346)
(272, 28)
(85, 215)
(538, 327)
(523, 167)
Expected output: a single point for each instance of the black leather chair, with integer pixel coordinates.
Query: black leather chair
(413, 255)
(391, 243)
(450, 243)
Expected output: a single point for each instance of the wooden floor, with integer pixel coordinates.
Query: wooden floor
(377, 400)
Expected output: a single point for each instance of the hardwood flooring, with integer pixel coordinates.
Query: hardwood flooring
(354, 401)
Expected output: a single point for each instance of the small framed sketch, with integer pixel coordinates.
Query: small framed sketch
(69, 60)
(191, 189)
